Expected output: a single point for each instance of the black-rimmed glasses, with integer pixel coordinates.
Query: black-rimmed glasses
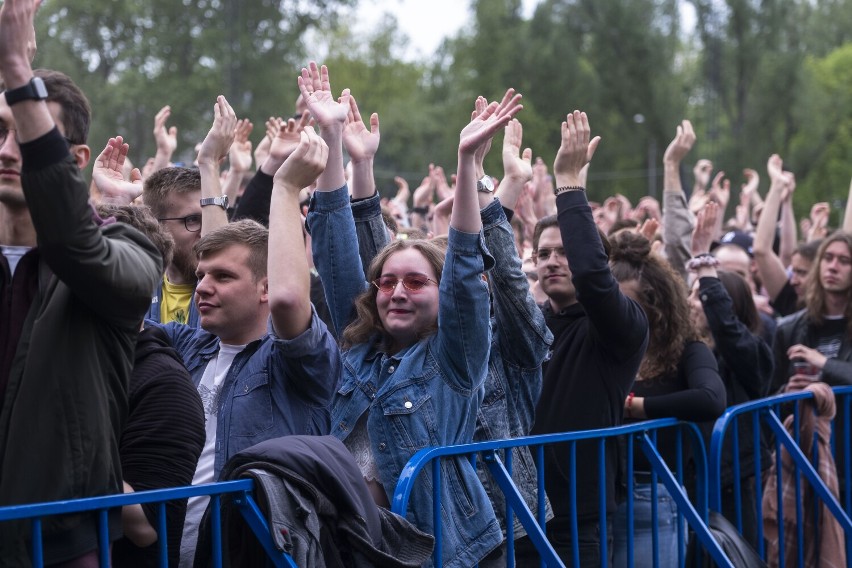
(191, 222)
(411, 282)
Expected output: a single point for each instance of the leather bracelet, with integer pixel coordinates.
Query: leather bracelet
(629, 407)
(567, 188)
(420, 210)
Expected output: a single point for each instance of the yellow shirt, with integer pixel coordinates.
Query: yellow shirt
(175, 303)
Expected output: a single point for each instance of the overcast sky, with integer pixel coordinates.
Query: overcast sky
(425, 22)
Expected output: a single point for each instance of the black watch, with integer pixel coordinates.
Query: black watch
(32, 91)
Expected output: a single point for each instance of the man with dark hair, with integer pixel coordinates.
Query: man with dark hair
(174, 196)
(74, 292)
(599, 339)
(264, 364)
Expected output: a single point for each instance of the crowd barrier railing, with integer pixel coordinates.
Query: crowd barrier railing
(766, 420)
(644, 434)
(239, 492)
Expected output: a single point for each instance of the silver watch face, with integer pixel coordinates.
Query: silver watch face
(486, 184)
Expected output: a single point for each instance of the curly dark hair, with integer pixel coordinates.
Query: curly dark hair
(662, 294)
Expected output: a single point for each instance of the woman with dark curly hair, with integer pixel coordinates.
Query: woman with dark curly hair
(678, 378)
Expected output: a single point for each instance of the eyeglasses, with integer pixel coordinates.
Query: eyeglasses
(5, 130)
(544, 253)
(191, 222)
(411, 282)
(4, 133)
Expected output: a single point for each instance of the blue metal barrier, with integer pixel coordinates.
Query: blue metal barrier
(765, 416)
(240, 492)
(643, 433)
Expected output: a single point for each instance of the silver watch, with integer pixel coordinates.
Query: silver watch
(485, 185)
(220, 201)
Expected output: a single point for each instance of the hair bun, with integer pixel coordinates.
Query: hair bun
(628, 246)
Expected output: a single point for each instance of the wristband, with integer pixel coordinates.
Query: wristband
(567, 188)
(420, 210)
(629, 407)
(702, 260)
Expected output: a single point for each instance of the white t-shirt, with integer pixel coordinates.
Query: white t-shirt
(209, 388)
(13, 254)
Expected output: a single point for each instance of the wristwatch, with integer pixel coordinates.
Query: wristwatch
(220, 201)
(32, 91)
(485, 185)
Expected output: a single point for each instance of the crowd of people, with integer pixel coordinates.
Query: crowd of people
(156, 325)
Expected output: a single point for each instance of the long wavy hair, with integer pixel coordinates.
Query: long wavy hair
(662, 295)
(815, 295)
(367, 322)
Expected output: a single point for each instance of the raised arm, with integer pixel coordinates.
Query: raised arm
(166, 139)
(112, 276)
(289, 276)
(618, 321)
(474, 137)
(789, 238)
(214, 148)
(677, 218)
(333, 237)
(331, 117)
(361, 145)
(769, 266)
(847, 216)
(239, 160)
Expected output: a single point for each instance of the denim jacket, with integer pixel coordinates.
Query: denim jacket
(520, 343)
(427, 394)
(192, 316)
(275, 387)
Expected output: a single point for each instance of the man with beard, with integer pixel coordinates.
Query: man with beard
(174, 196)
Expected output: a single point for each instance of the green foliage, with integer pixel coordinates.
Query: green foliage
(754, 76)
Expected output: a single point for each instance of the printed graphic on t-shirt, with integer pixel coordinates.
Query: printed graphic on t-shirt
(831, 336)
(209, 399)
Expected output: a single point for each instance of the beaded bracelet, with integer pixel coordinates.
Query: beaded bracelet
(702, 260)
(566, 188)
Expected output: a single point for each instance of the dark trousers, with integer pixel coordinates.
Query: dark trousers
(749, 505)
(559, 535)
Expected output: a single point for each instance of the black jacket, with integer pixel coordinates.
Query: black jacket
(65, 402)
(319, 508)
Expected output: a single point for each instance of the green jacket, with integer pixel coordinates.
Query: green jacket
(66, 399)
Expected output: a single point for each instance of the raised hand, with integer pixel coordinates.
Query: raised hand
(705, 227)
(108, 174)
(479, 107)
(402, 190)
(239, 157)
(262, 150)
(720, 191)
(482, 128)
(165, 137)
(424, 195)
(217, 143)
(304, 165)
(820, 213)
(681, 144)
(517, 166)
(287, 138)
(361, 144)
(439, 181)
(575, 151)
(316, 90)
(702, 170)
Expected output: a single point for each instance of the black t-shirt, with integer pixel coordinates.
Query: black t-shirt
(787, 301)
(830, 335)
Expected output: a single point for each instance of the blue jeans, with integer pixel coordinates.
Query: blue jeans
(644, 526)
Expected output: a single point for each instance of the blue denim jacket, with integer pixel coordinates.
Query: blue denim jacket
(192, 318)
(426, 395)
(520, 344)
(275, 387)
